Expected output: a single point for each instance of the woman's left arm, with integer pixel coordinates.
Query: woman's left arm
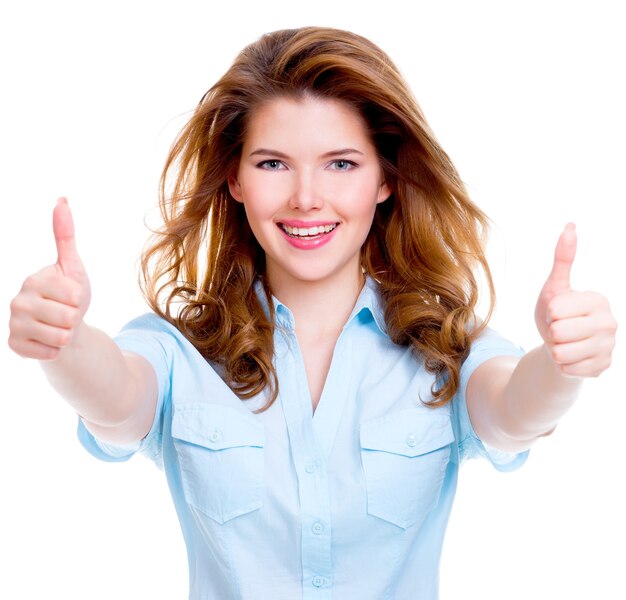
(512, 402)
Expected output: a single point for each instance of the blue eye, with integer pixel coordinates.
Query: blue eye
(271, 165)
(342, 165)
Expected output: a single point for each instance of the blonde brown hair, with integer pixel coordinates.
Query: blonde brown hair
(425, 242)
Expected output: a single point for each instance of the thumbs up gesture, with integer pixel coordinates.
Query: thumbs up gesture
(52, 303)
(577, 328)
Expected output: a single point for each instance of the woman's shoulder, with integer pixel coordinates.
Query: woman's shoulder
(151, 330)
(488, 344)
(490, 338)
(151, 322)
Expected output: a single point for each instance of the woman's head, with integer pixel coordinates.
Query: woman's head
(310, 180)
(422, 247)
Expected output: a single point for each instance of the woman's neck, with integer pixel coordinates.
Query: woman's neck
(321, 306)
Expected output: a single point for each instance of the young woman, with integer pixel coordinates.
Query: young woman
(313, 373)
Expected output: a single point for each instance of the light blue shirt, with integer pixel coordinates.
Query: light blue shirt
(349, 502)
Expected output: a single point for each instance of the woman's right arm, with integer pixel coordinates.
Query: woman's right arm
(114, 392)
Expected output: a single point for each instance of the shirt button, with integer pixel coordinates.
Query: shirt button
(317, 528)
(310, 467)
(410, 440)
(318, 581)
(216, 436)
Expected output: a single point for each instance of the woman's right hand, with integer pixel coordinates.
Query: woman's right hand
(52, 303)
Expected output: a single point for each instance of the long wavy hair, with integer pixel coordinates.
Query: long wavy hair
(424, 247)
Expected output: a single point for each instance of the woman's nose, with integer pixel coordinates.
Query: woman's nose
(306, 195)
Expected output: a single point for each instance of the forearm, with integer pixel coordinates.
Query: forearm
(92, 375)
(536, 396)
(115, 393)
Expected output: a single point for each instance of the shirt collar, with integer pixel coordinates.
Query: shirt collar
(369, 301)
(282, 313)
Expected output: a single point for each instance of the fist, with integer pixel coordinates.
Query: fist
(52, 303)
(577, 328)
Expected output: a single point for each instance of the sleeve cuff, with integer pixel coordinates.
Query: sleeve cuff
(103, 451)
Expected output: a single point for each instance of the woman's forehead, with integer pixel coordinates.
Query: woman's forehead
(309, 121)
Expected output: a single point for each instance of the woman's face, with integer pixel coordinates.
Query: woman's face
(309, 179)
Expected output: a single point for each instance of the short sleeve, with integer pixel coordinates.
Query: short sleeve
(488, 345)
(147, 336)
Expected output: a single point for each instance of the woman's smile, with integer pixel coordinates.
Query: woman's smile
(308, 238)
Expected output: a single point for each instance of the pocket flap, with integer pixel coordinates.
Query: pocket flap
(408, 432)
(216, 427)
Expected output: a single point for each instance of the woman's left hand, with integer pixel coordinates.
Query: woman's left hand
(578, 328)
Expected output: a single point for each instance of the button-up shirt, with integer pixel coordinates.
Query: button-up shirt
(349, 501)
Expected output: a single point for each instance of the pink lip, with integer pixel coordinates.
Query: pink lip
(308, 223)
(312, 244)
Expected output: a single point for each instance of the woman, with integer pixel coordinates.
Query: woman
(314, 371)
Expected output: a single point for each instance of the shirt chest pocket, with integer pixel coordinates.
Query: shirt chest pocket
(220, 454)
(405, 457)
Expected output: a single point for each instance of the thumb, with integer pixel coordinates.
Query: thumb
(63, 227)
(559, 279)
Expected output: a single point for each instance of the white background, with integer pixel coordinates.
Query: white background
(527, 98)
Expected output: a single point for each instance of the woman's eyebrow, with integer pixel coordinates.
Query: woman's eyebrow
(278, 154)
(342, 151)
(266, 151)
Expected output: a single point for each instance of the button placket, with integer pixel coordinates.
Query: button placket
(310, 468)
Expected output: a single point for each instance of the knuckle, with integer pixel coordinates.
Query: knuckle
(63, 339)
(70, 316)
(574, 370)
(553, 330)
(601, 304)
(612, 345)
(50, 354)
(552, 309)
(15, 326)
(76, 295)
(32, 282)
(566, 370)
(79, 297)
(601, 301)
(17, 305)
(29, 282)
(12, 344)
(556, 354)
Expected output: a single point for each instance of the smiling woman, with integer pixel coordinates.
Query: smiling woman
(313, 390)
(422, 246)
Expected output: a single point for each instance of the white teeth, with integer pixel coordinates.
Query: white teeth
(308, 231)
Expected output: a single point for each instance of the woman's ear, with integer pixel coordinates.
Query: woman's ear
(234, 187)
(384, 192)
